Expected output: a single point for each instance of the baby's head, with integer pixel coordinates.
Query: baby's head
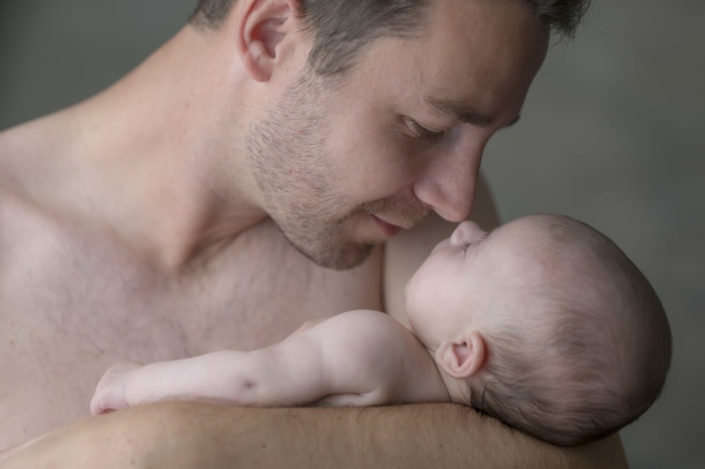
(544, 324)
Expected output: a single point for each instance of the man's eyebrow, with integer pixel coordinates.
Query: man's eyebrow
(459, 110)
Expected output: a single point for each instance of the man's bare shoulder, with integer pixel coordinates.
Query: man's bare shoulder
(22, 147)
(28, 236)
(10, 147)
(18, 147)
(26, 153)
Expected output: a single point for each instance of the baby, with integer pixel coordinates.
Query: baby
(543, 323)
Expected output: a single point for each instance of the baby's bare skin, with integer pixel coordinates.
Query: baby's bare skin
(357, 358)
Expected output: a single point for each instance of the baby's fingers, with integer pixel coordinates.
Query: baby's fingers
(105, 401)
(110, 392)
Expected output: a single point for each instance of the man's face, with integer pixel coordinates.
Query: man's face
(344, 167)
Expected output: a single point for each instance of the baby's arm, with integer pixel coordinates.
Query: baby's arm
(358, 358)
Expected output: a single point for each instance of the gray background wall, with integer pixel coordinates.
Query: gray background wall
(612, 133)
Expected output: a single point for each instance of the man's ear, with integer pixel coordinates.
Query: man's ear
(262, 27)
(462, 357)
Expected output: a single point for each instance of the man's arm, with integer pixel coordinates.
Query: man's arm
(197, 436)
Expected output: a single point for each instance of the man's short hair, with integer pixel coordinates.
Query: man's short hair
(342, 28)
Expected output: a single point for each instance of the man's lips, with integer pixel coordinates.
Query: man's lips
(389, 229)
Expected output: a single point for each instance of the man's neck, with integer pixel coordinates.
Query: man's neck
(156, 158)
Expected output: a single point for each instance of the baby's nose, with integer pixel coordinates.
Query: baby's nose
(466, 232)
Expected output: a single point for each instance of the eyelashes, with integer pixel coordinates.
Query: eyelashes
(424, 133)
(466, 245)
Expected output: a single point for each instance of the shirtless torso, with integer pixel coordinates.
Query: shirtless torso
(74, 300)
(77, 294)
(132, 228)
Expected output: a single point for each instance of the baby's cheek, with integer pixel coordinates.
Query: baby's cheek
(412, 289)
(419, 295)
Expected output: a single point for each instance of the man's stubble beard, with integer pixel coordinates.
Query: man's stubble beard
(295, 172)
(293, 169)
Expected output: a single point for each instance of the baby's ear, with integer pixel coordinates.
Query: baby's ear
(463, 357)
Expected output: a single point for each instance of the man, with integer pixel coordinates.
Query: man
(246, 173)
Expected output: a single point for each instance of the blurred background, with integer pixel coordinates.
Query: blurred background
(612, 133)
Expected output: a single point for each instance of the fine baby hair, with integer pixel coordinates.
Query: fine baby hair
(583, 346)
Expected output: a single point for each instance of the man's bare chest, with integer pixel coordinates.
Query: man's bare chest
(72, 311)
(251, 293)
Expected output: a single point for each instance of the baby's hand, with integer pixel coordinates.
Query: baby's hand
(110, 392)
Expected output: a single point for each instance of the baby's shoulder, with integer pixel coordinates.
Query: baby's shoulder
(378, 349)
(367, 336)
(365, 323)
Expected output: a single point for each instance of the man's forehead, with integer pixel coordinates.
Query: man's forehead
(478, 58)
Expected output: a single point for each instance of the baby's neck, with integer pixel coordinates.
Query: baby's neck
(457, 389)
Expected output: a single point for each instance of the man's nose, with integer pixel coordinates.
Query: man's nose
(448, 185)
